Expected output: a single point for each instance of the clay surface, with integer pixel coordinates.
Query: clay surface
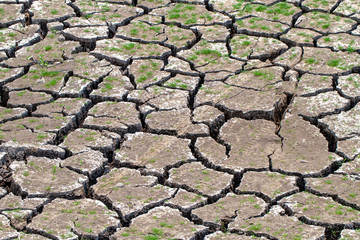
(180, 119)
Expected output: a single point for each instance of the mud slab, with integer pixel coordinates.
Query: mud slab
(180, 119)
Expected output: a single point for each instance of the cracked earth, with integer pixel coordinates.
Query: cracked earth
(180, 119)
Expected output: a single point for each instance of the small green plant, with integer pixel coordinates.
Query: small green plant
(333, 62)
(66, 211)
(134, 32)
(39, 126)
(54, 11)
(20, 94)
(42, 62)
(41, 137)
(47, 48)
(310, 61)
(151, 237)
(255, 227)
(350, 49)
(129, 46)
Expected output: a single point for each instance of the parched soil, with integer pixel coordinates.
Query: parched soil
(180, 119)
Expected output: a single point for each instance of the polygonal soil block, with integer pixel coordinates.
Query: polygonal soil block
(231, 206)
(310, 83)
(198, 177)
(33, 148)
(50, 10)
(129, 191)
(213, 32)
(101, 12)
(86, 66)
(243, 46)
(211, 150)
(236, 98)
(76, 86)
(351, 168)
(324, 22)
(304, 149)
(40, 78)
(47, 50)
(18, 33)
(350, 85)
(261, 26)
(121, 49)
(339, 42)
(268, 183)
(321, 209)
(186, 199)
(268, 9)
(85, 216)
(85, 139)
(315, 105)
(251, 143)
(206, 114)
(325, 61)
(178, 121)
(11, 113)
(327, 6)
(29, 236)
(212, 58)
(278, 226)
(10, 13)
(161, 97)
(177, 64)
(348, 234)
(116, 116)
(351, 147)
(159, 223)
(153, 4)
(182, 82)
(229, 236)
(87, 32)
(89, 163)
(155, 31)
(258, 79)
(191, 14)
(44, 176)
(26, 136)
(233, 5)
(6, 230)
(17, 209)
(344, 124)
(39, 124)
(290, 57)
(26, 98)
(147, 72)
(6, 73)
(113, 86)
(154, 152)
(11, 202)
(301, 36)
(347, 7)
(345, 187)
(67, 106)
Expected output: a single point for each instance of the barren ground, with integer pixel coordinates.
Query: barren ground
(180, 119)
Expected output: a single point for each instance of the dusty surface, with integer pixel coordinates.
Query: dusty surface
(181, 119)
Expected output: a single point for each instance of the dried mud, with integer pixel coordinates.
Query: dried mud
(180, 119)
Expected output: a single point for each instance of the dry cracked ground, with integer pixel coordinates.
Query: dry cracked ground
(180, 119)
